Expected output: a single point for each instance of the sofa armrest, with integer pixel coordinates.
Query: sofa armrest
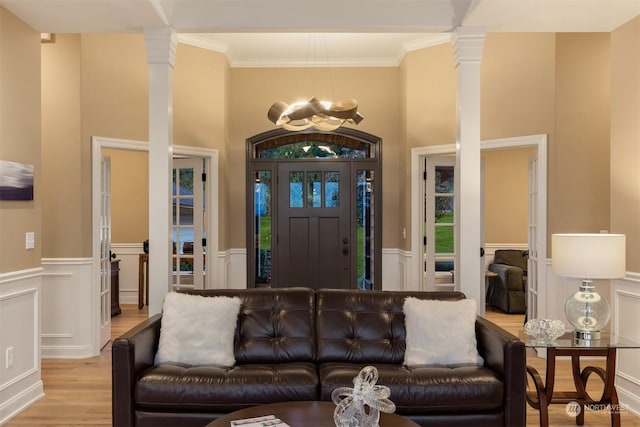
(509, 276)
(132, 353)
(505, 354)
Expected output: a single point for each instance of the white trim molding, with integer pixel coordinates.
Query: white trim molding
(625, 309)
(395, 268)
(69, 309)
(21, 383)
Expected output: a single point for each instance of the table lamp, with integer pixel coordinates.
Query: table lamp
(587, 257)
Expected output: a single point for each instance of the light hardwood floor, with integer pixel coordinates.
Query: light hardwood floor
(78, 392)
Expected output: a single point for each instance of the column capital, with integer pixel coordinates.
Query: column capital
(468, 43)
(161, 45)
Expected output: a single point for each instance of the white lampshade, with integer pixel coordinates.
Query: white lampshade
(589, 256)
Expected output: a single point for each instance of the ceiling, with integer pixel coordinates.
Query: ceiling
(254, 33)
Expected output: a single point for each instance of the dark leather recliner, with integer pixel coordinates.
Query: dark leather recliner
(509, 293)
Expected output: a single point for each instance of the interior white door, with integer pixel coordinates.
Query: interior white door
(105, 250)
(188, 225)
(439, 223)
(532, 267)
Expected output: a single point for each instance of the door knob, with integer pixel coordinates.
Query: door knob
(345, 250)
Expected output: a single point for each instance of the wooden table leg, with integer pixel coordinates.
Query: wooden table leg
(608, 376)
(538, 399)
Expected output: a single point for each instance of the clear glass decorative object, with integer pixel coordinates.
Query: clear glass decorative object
(361, 405)
(544, 329)
(587, 311)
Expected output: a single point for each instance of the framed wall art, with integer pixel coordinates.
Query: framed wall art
(16, 181)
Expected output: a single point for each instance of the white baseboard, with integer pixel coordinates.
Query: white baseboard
(21, 401)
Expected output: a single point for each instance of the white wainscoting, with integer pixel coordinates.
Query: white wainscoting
(69, 318)
(20, 384)
(625, 298)
(395, 271)
(231, 270)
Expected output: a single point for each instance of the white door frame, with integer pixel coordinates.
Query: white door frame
(414, 279)
(98, 143)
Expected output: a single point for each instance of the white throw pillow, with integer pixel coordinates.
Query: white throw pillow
(440, 332)
(198, 330)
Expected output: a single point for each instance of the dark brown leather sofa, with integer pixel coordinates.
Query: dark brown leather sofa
(298, 344)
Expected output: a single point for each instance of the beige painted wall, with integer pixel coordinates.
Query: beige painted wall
(430, 86)
(61, 149)
(625, 138)
(20, 138)
(129, 195)
(506, 193)
(579, 153)
(518, 85)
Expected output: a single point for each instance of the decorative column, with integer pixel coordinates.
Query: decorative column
(467, 48)
(161, 54)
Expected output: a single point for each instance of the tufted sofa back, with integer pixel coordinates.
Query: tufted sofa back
(274, 325)
(364, 326)
(325, 325)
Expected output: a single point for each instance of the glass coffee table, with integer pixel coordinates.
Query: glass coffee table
(303, 414)
(567, 345)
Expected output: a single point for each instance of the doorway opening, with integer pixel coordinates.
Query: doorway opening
(537, 213)
(209, 217)
(314, 209)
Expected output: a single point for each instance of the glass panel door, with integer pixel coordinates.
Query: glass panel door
(439, 220)
(188, 224)
(105, 251)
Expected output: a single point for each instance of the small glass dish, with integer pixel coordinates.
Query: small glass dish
(544, 330)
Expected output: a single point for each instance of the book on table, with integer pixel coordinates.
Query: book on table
(265, 421)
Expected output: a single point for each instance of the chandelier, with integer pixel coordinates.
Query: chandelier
(322, 115)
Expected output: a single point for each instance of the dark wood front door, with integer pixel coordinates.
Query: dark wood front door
(314, 244)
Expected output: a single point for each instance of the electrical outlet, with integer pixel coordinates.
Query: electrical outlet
(9, 358)
(30, 240)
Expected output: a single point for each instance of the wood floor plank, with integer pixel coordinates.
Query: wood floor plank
(78, 392)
